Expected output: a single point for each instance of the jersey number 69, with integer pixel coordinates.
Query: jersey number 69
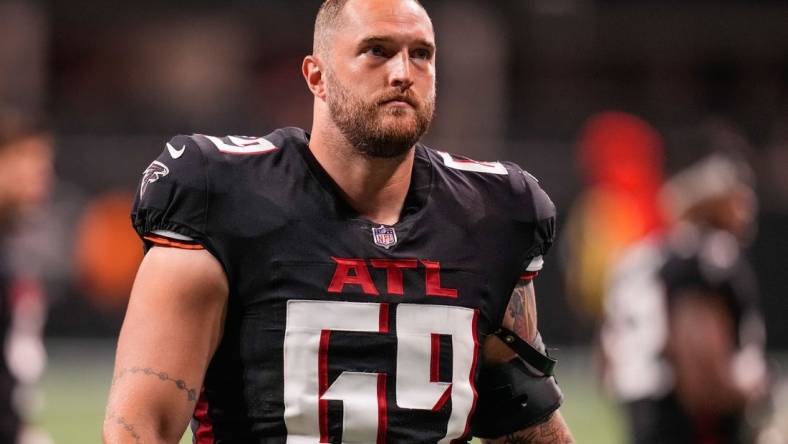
(307, 389)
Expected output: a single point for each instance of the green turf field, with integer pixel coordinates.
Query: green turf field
(76, 384)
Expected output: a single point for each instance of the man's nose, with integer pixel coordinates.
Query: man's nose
(401, 76)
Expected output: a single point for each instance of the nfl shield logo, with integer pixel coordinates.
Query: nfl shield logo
(384, 236)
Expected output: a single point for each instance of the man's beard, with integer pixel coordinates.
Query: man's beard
(363, 123)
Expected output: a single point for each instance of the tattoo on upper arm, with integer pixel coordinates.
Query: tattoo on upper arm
(121, 421)
(147, 371)
(521, 312)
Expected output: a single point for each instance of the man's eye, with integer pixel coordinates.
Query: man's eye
(377, 51)
(422, 54)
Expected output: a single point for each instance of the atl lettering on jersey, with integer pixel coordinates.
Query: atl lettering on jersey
(331, 336)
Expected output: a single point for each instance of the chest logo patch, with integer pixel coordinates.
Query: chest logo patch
(384, 236)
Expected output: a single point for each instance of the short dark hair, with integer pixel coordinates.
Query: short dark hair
(327, 21)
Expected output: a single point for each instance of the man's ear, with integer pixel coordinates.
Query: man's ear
(312, 69)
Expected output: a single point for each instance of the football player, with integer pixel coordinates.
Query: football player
(683, 337)
(26, 175)
(346, 284)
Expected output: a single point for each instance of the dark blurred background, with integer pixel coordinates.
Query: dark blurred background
(517, 80)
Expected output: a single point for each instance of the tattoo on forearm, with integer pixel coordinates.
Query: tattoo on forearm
(179, 383)
(517, 308)
(550, 432)
(121, 421)
(522, 310)
(514, 439)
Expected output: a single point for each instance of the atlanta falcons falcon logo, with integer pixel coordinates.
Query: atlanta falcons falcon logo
(154, 172)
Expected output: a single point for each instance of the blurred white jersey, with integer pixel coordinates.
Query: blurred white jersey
(634, 332)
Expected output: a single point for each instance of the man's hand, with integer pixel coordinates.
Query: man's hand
(173, 325)
(521, 318)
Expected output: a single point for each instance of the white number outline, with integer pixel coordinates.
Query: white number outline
(473, 165)
(245, 145)
(307, 333)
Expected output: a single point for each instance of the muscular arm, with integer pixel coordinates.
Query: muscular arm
(521, 318)
(172, 328)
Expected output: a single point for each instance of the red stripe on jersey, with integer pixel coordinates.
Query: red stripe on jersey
(325, 337)
(204, 432)
(435, 359)
(442, 400)
(383, 322)
(475, 162)
(529, 275)
(473, 374)
(162, 241)
(383, 418)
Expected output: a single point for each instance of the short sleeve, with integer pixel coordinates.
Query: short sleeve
(536, 214)
(171, 200)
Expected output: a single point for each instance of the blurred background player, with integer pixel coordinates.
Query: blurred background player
(683, 339)
(25, 182)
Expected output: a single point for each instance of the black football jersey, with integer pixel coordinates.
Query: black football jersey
(339, 329)
(706, 262)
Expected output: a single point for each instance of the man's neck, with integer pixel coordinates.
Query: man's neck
(374, 187)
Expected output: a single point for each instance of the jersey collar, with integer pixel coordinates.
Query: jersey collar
(415, 200)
